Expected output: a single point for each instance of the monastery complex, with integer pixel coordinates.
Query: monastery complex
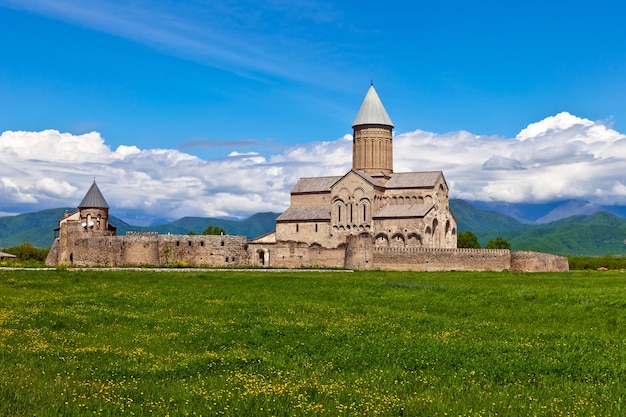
(369, 218)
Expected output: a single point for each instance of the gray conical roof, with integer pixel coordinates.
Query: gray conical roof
(372, 111)
(93, 198)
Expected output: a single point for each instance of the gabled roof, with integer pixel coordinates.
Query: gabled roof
(372, 111)
(367, 178)
(310, 213)
(93, 198)
(403, 211)
(414, 179)
(314, 185)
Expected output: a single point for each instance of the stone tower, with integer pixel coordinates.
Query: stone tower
(94, 210)
(372, 148)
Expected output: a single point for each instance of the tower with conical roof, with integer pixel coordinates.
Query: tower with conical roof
(94, 210)
(372, 147)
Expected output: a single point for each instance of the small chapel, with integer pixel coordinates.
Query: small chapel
(395, 209)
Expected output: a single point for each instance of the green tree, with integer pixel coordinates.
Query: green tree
(467, 240)
(27, 252)
(499, 243)
(213, 230)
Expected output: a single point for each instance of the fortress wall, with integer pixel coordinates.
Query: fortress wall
(140, 249)
(522, 261)
(106, 250)
(434, 259)
(203, 250)
(301, 255)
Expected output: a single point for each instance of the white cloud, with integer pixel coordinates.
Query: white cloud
(559, 157)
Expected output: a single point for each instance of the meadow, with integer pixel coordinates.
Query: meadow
(248, 343)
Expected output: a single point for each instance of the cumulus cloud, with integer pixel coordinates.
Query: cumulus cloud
(560, 157)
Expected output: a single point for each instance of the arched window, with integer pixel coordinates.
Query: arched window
(339, 212)
(364, 211)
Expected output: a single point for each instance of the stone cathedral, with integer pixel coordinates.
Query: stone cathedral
(404, 209)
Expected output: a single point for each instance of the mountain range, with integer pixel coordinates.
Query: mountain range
(569, 228)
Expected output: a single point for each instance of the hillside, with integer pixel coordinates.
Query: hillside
(594, 235)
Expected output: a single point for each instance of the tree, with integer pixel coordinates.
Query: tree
(213, 230)
(467, 240)
(27, 252)
(499, 243)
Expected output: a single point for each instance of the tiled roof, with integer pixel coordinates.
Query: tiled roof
(314, 185)
(413, 179)
(93, 198)
(403, 211)
(372, 111)
(310, 213)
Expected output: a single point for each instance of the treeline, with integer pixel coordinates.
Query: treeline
(595, 263)
(26, 252)
(468, 240)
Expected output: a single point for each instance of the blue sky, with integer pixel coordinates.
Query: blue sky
(215, 80)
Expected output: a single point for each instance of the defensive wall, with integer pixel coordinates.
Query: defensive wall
(360, 253)
(150, 248)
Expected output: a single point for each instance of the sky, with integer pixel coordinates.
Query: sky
(198, 108)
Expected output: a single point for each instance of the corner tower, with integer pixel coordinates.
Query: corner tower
(372, 147)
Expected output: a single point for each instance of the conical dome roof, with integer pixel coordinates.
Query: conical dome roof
(372, 111)
(93, 198)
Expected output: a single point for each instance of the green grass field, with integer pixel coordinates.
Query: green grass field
(309, 343)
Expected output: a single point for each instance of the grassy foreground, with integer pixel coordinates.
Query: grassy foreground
(308, 343)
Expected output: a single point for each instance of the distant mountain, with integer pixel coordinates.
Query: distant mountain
(468, 217)
(597, 234)
(36, 228)
(547, 212)
(255, 225)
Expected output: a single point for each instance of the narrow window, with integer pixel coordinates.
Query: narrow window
(297, 228)
(190, 243)
(177, 243)
(202, 243)
(316, 228)
(222, 244)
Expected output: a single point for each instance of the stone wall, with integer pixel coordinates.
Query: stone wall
(358, 253)
(440, 259)
(152, 249)
(296, 255)
(203, 250)
(522, 261)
